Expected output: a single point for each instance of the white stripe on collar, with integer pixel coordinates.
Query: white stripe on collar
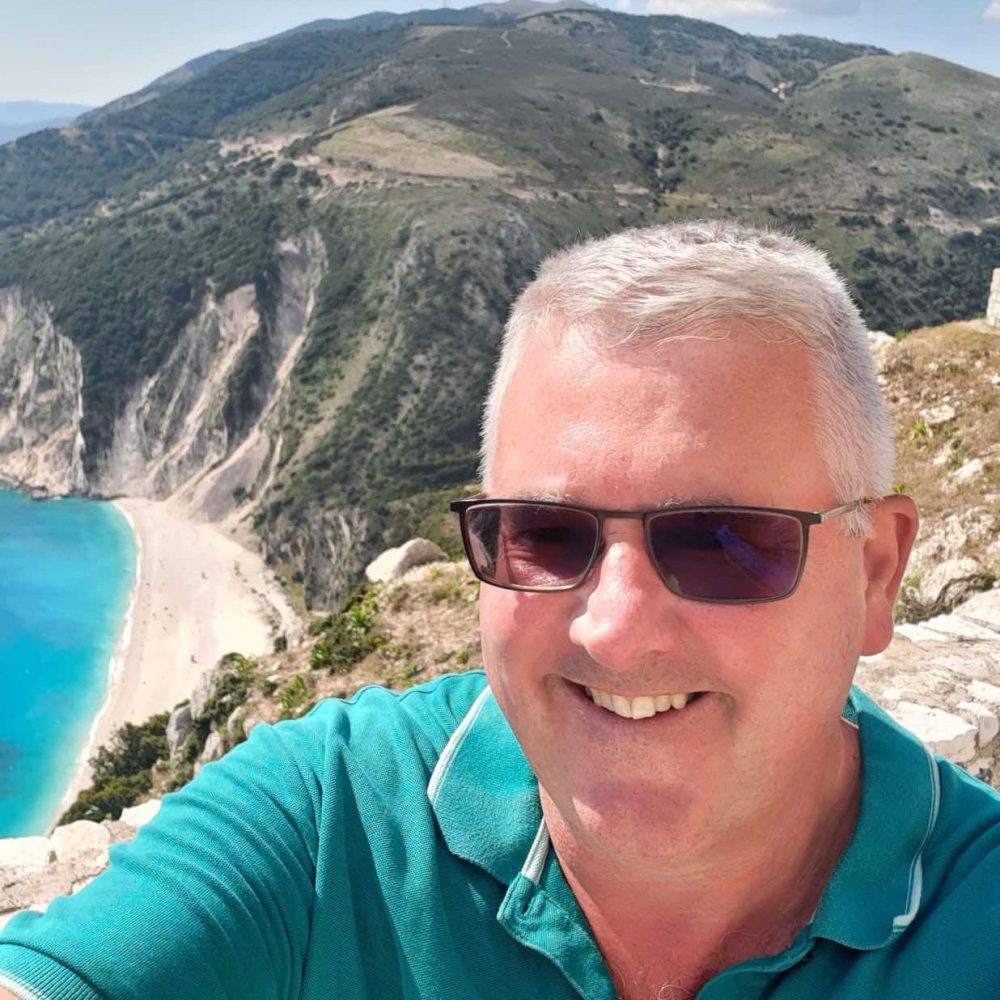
(534, 863)
(904, 920)
(447, 757)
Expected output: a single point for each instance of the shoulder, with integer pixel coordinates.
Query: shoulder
(378, 729)
(432, 710)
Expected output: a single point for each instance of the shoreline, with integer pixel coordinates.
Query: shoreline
(197, 594)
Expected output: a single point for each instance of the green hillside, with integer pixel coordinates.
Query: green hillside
(440, 162)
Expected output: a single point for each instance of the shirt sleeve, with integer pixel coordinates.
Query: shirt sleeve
(213, 898)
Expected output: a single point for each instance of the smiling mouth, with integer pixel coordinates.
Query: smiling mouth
(643, 706)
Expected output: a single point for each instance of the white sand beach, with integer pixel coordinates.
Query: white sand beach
(199, 594)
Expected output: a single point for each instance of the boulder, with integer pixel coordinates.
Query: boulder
(938, 415)
(75, 840)
(985, 693)
(942, 574)
(879, 340)
(983, 609)
(214, 748)
(967, 472)
(179, 727)
(26, 852)
(949, 735)
(235, 724)
(141, 814)
(248, 724)
(985, 719)
(393, 563)
(203, 692)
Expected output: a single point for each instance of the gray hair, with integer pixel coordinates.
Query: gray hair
(643, 287)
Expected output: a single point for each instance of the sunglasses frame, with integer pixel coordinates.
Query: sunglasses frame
(806, 518)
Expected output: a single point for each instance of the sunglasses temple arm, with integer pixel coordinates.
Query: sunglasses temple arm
(826, 515)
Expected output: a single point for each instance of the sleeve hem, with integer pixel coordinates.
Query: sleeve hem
(34, 976)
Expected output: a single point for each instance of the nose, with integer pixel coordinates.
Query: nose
(626, 616)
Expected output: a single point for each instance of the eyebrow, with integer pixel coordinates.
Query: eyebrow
(672, 500)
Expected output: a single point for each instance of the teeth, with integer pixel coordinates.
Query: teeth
(642, 707)
(621, 706)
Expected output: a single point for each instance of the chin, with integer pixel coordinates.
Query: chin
(638, 819)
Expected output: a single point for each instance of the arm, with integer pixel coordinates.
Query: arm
(213, 898)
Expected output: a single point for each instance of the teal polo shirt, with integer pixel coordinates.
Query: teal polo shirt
(393, 847)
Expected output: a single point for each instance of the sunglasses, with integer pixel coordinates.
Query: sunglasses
(716, 554)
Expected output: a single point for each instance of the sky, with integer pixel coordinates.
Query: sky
(89, 53)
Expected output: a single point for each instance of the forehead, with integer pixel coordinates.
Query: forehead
(727, 419)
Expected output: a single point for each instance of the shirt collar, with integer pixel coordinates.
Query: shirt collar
(485, 797)
(484, 793)
(877, 886)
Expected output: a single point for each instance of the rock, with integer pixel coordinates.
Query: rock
(983, 609)
(139, 815)
(235, 723)
(993, 305)
(879, 340)
(949, 735)
(75, 840)
(119, 831)
(952, 537)
(955, 627)
(982, 691)
(179, 728)
(943, 573)
(41, 400)
(249, 723)
(26, 852)
(214, 748)
(982, 768)
(967, 472)
(938, 415)
(393, 563)
(985, 720)
(203, 692)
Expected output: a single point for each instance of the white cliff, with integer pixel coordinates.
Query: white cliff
(172, 438)
(173, 434)
(249, 466)
(41, 383)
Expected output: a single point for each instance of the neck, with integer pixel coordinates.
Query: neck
(745, 892)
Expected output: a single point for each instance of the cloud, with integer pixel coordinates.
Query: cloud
(627, 4)
(708, 9)
(992, 13)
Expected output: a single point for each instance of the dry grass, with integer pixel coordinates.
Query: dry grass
(396, 140)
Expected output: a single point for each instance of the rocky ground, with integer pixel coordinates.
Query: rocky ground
(943, 386)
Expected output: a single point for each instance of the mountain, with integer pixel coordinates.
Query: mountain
(482, 14)
(18, 118)
(275, 288)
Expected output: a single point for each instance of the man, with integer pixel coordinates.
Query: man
(668, 787)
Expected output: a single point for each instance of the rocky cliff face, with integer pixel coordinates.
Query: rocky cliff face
(196, 426)
(40, 399)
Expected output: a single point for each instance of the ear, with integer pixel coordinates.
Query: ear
(885, 554)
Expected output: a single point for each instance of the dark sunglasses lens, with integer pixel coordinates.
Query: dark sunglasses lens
(727, 555)
(530, 545)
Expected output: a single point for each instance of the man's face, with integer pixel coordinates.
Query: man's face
(703, 421)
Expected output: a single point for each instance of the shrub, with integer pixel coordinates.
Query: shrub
(122, 771)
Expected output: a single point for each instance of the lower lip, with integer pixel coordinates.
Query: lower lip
(671, 716)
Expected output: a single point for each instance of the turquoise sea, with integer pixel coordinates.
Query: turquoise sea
(66, 574)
